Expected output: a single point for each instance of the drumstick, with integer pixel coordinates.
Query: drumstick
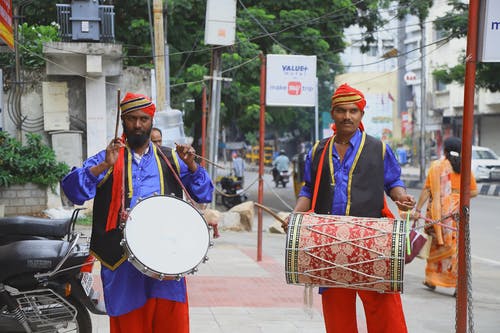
(267, 209)
(117, 113)
(205, 159)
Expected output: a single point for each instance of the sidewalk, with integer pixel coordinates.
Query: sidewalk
(233, 292)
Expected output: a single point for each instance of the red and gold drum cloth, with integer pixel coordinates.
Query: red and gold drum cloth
(345, 251)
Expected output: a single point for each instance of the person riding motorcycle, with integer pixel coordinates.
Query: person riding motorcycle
(280, 163)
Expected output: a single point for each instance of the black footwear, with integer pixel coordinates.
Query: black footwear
(430, 286)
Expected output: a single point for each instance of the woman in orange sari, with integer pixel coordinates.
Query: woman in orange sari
(442, 189)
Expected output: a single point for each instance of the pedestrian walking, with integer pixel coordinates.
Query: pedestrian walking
(441, 193)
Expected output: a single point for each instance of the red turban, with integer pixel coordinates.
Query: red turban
(132, 102)
(346, 94)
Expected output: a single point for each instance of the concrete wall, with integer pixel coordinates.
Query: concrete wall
(132, 79)
(24, 199)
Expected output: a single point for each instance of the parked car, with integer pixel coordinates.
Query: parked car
(485, 164)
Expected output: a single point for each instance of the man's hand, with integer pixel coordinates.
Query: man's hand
(112, 151)
(187, 154)
(285, 222)
(405, 202)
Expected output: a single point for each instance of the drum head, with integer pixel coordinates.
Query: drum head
(166, 235)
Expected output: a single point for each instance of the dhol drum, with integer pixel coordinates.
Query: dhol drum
(345, 251)
(165, 237)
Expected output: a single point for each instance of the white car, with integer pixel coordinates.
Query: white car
(485, 164)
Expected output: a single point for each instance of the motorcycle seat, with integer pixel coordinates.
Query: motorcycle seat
(34, 226)
(31, 256)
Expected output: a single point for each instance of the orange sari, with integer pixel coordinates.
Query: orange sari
(444, 187)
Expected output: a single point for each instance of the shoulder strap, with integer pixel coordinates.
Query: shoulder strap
(318, 174)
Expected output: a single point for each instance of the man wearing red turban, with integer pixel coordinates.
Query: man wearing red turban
(133, 168)
(351, 171)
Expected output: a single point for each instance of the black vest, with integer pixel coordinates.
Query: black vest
(105, 246)
(365, 189)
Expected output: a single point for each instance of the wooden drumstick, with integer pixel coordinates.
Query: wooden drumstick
(205, 159)
(267, 209)
(117, 112)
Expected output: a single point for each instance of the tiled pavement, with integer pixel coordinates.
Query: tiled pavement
(234, 293)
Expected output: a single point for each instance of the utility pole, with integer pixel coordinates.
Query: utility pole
(423, 102)
(214, 113)
(167, 119)
(159, 46)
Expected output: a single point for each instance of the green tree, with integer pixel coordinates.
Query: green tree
(308, 27)
(455, 22)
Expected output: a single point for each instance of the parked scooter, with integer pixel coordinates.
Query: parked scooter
(46, 282)
(232, 191)
(280, 177)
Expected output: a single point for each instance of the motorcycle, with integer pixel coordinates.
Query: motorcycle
(46, 284)
(232, 190)
(280, 177)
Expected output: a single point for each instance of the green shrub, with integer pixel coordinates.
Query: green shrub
(34, 162)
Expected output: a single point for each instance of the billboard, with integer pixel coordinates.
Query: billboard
(489, 23)
(290, 80)
(378, 120)
(6, 33)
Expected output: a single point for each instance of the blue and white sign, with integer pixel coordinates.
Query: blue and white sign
(489, 50)
(290, 80)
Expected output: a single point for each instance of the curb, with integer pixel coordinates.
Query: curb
(489, 189)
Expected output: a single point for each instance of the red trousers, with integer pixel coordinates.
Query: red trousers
(156, 316)
(384, 312)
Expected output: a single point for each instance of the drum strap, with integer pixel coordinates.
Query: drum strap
(318, 176)
(170, 166)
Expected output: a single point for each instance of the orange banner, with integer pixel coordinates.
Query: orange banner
(6, 33)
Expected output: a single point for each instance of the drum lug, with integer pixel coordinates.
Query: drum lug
(131, 257)
(194, 270)
(178, 277)
(145, 269)
(210, 227)
(123, 242)
(162, 276)
(205, 259)
(211, 244)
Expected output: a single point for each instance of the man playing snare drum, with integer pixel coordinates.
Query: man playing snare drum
(357, 169)
(132, 168)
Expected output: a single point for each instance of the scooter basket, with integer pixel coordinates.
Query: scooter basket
(45, 310)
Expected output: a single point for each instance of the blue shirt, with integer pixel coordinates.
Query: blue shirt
(126, 288)
(392, 173)
(238, 166)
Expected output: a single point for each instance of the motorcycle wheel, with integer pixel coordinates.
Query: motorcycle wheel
(227, 202)
(83, 322)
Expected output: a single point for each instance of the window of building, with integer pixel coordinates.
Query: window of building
(441, 86)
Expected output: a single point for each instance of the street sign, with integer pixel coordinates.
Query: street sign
(291, 80)
(410, 78)
(6, 32)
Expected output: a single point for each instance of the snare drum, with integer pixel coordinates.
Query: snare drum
(345, 251)
(165, 237)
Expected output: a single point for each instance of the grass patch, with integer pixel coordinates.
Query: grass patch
(87, 220)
